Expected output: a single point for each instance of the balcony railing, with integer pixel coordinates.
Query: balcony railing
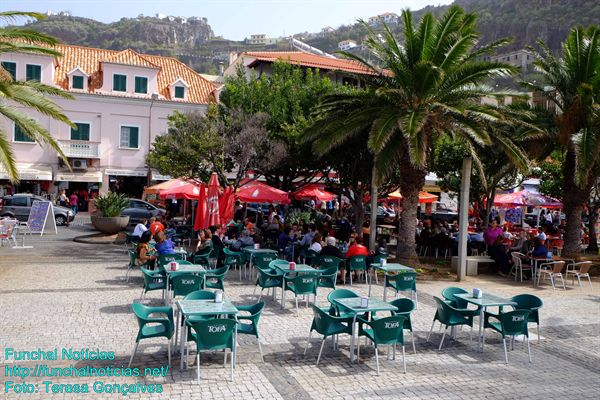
(80, 148)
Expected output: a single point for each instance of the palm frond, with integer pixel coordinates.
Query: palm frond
(7, 157)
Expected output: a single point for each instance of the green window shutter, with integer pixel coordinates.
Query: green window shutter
(179, 92)
(119, 83)
(33, 73)
(130, 137)
(21, 136)
(77, 82)
(81, 133)
(11, 68)
(141, 84)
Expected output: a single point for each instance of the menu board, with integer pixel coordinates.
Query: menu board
(38, 216)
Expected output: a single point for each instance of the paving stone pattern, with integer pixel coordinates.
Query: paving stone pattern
(72, 295)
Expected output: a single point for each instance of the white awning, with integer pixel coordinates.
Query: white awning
(126, 172)
(30, 172)
(79, 176)
(156, 176)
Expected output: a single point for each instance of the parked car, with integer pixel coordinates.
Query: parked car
(443, 212)
(139, 210)
(19, 205)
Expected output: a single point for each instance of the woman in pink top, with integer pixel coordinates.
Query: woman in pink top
(492, 232)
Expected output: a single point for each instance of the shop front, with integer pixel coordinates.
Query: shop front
(85, 184)
(34, 178)
(131, 182)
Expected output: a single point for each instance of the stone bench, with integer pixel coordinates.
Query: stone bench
(472, 264)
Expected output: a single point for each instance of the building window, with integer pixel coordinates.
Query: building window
(82, 132)
(77, 82)
(179, 92)
(130, 137)
(21, 136)
(119, 83)
(33, 73)
(11, 68)
(141, 84)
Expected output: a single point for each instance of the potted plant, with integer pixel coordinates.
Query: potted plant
(109, 208)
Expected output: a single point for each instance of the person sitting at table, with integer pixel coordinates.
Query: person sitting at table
(498, 253)
(285, 242)
(215, 236)
(204, 241)
(330, 248)
(539, 250)
(542, 234)
(143, 251)
(156, 225)
(140, 228)
(316, 243)
(243, 240)
(163, 245)
(356, 249)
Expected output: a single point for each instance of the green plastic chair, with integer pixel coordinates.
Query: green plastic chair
(328, 277)
(450, 316)
(326, 262)
(153, 327)
(185, 283)
(152, 281)
(512, 324)
(401, 282)
(268, 279)
(164, 259)
(233, 258)
(531, 303)
(251, 326)
(215, 278)
(201, 258)
(377, 260)
(336, 309)
(406, 307)
(200, 295)
(460, 304)
(262, 260)
(327, 325)
(310, 257)
(278, 261)
(213, 334)
(305, 284)
(357, 263)
(383, 331)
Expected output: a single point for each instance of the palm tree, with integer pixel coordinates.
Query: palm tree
(429, 83)
(574, 80)
(30, 94)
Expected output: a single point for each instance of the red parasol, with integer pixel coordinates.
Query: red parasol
(201, 220)
(213, 200)
(258, 192)
(526, 198)
(226, 205)
(180, 190)
(313, 192)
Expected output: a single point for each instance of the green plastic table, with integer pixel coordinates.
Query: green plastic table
(487, 300)
(203, 307)
(252, 252)
(285, 268)
(387, 268)
(353, 305)
(187, 268)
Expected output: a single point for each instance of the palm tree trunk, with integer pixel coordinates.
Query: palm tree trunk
(373, 221)
(593, 217)
(573, 198)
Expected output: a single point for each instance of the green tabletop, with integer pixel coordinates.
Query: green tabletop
(285, 268)
(487, 300)
(206, 307)
(189, 268)
(391, 267)
(353, 304)
(252, 250)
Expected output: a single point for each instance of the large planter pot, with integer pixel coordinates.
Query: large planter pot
(110, 225)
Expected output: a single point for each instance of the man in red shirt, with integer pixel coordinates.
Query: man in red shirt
(156, 226)
(356, 249)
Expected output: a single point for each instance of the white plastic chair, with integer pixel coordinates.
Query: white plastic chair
(518, 266)
(579, 270)
(553, 270)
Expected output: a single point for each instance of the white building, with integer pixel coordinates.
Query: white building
(261, 39)
(388, 18)
(347, 44)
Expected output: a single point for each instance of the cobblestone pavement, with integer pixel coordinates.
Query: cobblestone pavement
(63, 294)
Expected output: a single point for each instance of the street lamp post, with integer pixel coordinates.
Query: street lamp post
(463, 218)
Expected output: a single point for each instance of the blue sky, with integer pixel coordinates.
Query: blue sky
(232, 19)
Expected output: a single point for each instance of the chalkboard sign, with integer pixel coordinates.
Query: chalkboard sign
(38, 216)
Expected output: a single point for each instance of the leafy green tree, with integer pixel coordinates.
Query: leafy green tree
(429, 83)
(32, 95)
(287, 96)
(550, 172)
(574, 78)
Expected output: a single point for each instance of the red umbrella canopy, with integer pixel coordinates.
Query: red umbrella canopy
(226, 205)
(526, 198)
(201, 220)
(424, 197)
(213, 200)
(313, 192)
(180, 190)
(258, 192)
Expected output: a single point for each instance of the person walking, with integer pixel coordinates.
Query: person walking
(74, 201)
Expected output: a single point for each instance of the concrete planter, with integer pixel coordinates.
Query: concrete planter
(110, 225)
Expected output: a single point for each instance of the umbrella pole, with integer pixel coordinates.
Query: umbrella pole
(193, 219)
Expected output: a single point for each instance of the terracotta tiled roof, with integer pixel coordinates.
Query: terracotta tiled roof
(169, 70)
(309, 60)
